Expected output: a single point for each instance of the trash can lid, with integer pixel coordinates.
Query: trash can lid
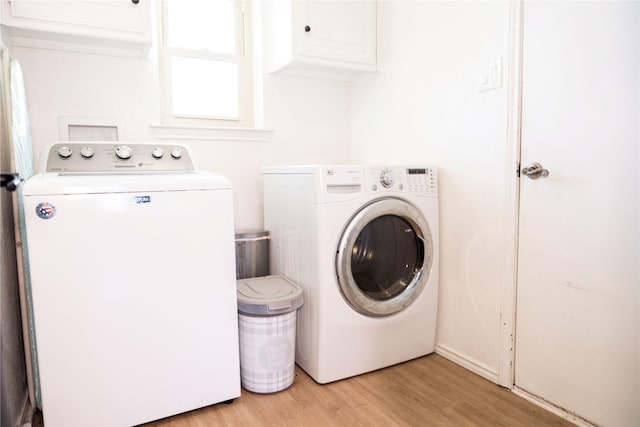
(268, 295)
(251, 234)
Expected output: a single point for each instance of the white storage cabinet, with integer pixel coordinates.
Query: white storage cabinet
(322, 38)
(118, 27)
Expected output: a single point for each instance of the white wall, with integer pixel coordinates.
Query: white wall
(423, 108)
(309, 118)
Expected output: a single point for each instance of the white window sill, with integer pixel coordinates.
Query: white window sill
(201, 133)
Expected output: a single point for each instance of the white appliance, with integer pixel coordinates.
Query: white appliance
(362, 242)
(132, 261)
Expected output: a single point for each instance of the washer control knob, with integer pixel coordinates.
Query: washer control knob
(387, 178)
(87, 152)
(123, 152)
(157, 153)
(65, 152)
(176, 153)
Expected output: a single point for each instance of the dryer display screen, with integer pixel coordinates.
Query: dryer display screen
(416, 171)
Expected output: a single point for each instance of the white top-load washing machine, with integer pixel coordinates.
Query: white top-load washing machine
(362, 242)
(132, 261)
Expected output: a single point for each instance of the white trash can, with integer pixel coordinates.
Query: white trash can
(267, 310)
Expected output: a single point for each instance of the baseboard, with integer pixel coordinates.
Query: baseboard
(552, 408)
(493, 376)
(465, 362)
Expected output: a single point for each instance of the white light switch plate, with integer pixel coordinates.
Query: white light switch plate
(491, 75)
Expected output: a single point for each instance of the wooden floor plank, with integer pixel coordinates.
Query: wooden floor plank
(428, 391)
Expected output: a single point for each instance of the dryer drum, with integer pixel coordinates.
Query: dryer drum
(384, 257)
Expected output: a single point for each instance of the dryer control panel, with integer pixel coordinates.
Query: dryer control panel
(102, 157)
(415, 180)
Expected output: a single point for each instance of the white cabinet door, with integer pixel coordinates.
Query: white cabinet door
(578, 285)
(101, 26)
(322, 36)
(340, 31)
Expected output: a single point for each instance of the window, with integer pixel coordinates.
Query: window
(205, 63)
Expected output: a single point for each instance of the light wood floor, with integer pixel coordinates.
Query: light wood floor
(429, 391)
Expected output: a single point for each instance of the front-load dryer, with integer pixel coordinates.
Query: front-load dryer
(362, 242)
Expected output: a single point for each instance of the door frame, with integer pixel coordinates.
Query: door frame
(507, 338)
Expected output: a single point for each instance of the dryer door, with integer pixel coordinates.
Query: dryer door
(384, 257)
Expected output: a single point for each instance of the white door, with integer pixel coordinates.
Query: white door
(577, 295)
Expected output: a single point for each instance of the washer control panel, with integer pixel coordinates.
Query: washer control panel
(97, 157)
(415, 180)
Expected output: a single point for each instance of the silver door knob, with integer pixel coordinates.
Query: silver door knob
(535, 171)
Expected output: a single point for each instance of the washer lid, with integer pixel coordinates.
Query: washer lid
(268, 295)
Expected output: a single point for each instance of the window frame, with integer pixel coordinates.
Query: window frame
(243, 58)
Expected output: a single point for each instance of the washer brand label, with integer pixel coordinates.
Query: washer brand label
(139, 200)
(45, 210)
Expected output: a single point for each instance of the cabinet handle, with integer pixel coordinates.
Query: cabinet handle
(135, 1)
(307, 29)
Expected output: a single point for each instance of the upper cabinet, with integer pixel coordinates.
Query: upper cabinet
(326, 38)
(117, 27)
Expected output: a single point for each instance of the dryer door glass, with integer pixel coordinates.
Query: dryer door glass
(384, 257)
